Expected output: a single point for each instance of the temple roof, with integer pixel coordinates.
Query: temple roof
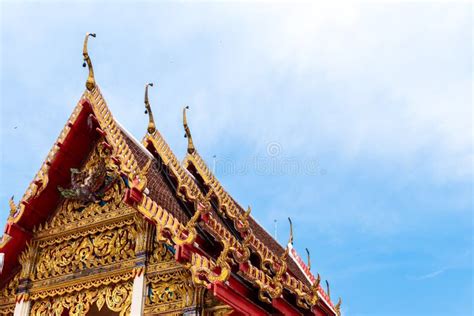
(180, 198)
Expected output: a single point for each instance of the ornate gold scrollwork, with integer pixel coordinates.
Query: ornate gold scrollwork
(108, 194)
(97, 249)
(10, 288)
(222, 271)
(13, 207)
(161, 254)
(92, 183)
(310, 298)
(27, 260)
(227, 207)
(7, 309)
(141, 179)
(187, 235)
(277, 278)
(169, 291)
(7, 295)
(117, 298)
(205, 271)
(142, 234)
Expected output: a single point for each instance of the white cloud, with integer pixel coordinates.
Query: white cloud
(390, 81)
(429, 275)
(398, 77)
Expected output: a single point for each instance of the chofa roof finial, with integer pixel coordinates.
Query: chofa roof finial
(191, 148)
(13, 207)
(90, 83)
(151, 122)
(309, 259)
(338, 307)
(291, 232)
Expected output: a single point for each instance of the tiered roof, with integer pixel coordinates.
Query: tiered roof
(188, 205)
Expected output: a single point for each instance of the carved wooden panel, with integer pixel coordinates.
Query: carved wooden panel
(116, 297)
(7, 296)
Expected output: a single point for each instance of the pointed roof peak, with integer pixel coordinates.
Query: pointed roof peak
(90, 83)
(151, 122)
(191, 148)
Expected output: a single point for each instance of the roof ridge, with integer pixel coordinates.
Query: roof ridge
(109, 124)
(172, 162)
(112, 133)
(133, 139)
(225, 197)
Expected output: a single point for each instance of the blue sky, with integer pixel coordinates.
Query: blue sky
(355, 120)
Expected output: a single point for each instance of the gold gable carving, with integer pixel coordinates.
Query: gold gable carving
(169, 291)
(94, 250)
(117, 298)
(7, 295)
(86, 253)
(95, 189)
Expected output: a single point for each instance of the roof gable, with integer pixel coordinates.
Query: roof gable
(90, 120)
(187, 204)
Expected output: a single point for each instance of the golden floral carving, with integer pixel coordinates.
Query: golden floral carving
(188, 234)
(7, 309)
(116, 297)
(7, 295)
(9, 290)
(92, 250)
(161, 253)
(90, 282)
(227, 207)
(94, 180)
(169, 291)
(26, 259)
(143, 234)
(72, 210)
(205, 271)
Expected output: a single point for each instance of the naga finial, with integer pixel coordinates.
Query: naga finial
(90, 83)
(13, 208)
(316, 283)
(247, 212)
(151, 122)
(291, 232)
(309, 259)
(191, 148)
(338, 306)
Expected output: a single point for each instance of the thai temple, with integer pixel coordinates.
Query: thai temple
(114, 226)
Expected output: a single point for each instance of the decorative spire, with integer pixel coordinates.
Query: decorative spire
(247, 212)
(90, 83)
(151, 122)
(191, 148)
(291, 232)
(309, 259)
(338, 306)
(11, 202)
